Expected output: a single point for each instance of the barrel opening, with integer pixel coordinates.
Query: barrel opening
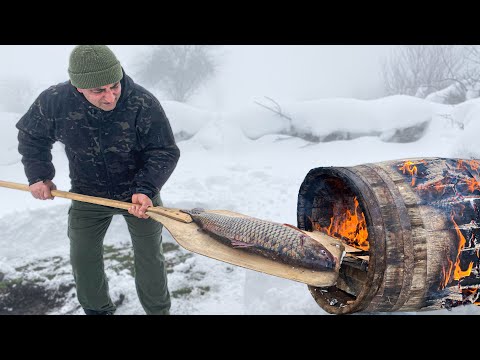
(337, 211)
(333, 204)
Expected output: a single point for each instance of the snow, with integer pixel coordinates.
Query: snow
(241, 161)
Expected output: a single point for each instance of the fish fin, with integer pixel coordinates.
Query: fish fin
(240, 244)
(195, 211)
(294, 227)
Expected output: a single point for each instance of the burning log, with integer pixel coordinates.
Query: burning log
(356, 262)
(414, 225)
(351, 280)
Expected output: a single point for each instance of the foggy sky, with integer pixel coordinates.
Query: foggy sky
(298, 72)
(246, 73)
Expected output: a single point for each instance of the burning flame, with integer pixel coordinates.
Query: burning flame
(473, 183)
(458, 273)
(349, 226)
(440, 186)
(409, 167)
(446, 274)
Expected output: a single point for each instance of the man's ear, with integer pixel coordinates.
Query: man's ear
(80, 90)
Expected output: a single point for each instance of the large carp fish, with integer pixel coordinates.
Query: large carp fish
(280, 242)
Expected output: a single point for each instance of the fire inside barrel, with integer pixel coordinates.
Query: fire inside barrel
(413, 231)
(346, 224)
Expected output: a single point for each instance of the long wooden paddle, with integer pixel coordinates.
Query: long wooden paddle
(189, 236)
(171, 213)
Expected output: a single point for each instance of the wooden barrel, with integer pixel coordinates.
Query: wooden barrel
(422, 217)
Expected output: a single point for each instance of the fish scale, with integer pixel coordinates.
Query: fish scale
(273, 240)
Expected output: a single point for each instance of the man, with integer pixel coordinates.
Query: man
(120, 146)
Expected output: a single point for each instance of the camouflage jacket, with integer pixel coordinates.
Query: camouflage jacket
(112, 154)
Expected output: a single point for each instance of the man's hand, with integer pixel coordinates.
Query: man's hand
(42, 190)
(141, 203)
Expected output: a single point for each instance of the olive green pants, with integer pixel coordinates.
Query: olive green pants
(87, 226)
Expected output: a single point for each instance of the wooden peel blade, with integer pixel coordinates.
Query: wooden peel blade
(192, 238)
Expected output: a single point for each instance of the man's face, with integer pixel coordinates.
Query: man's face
(104, 97)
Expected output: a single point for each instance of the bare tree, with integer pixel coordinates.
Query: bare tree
(419, 70)
(471, 74)
(179, 70)
(277, 109)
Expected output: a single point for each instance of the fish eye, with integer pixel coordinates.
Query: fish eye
(323, 252)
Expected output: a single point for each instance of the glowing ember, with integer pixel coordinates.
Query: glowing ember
(471, 295)
(474, 294)
(474, 164)
(473, 184)
(349, 226)
(439, 186)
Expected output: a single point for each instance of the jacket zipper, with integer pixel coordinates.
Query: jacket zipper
(103, 156)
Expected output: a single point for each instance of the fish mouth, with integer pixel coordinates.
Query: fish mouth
(320, 264)
(330, 264)
(326, 264)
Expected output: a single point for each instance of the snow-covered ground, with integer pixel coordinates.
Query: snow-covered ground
(243, 161)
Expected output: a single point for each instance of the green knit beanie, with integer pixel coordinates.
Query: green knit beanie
(92, 66)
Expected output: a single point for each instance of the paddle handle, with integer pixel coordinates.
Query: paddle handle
(171, 213)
